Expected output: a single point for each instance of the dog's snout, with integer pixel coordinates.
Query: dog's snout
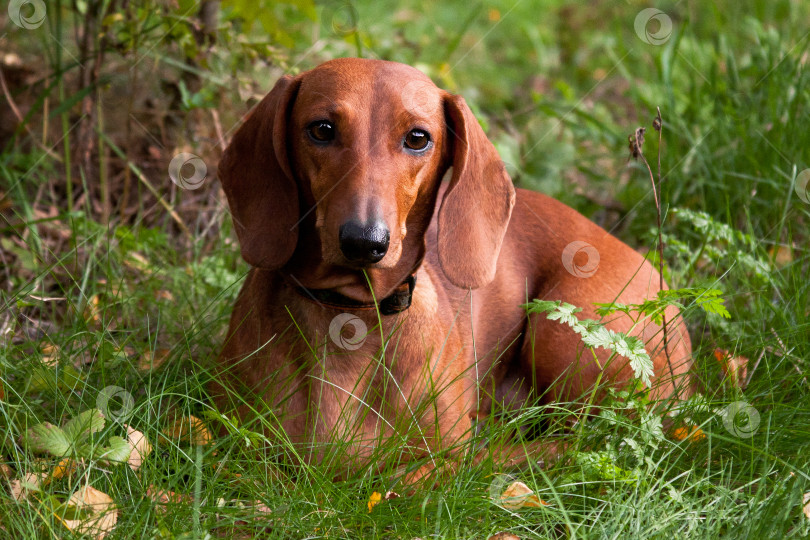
(364, 243)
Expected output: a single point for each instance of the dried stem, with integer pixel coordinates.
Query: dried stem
(636, 142)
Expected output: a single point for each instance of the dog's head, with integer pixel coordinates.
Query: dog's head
(351, 155)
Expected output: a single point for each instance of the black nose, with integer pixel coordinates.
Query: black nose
(365, 244)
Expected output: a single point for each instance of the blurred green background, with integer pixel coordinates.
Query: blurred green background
(111, 275)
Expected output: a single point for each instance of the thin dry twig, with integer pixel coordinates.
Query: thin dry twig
(636, 141)
(145, 181)
(218, 128)
(14, 109)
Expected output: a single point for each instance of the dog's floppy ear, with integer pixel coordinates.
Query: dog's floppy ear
(256, 176)
(478, 202)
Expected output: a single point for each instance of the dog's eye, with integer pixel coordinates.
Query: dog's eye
(321, 131)
(417, 140)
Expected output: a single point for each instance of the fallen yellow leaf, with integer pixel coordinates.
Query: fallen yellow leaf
(65, 467)
(518, 495)
(189, 428)
(103, 516)
(374, 500)
(693, 433)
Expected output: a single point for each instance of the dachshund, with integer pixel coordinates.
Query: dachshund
(391, 257)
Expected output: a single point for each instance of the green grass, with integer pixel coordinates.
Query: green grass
(559, 90)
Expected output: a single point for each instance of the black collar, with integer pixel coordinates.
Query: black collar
(397, 302)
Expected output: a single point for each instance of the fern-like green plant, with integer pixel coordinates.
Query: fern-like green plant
(719, 243)
(710, 300)
(594, 334)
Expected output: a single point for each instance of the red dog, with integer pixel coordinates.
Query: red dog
(335, 187)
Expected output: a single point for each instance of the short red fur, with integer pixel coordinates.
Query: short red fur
(478, 247)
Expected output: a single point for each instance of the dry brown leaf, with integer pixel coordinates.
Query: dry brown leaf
(735, 368)
(6, 472)
(163, 294)
(504, 536)
(111, 290)
(150, 360)
(163, 497)
(781, 255)
(103, 516)
(18, 492)
(20, 488)
(261, 508)
(136, 261)
(191, 429)
(518, 495)
(50, 354)
(806, 501)
(92, 311)
(140, 448)
(53, 229)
